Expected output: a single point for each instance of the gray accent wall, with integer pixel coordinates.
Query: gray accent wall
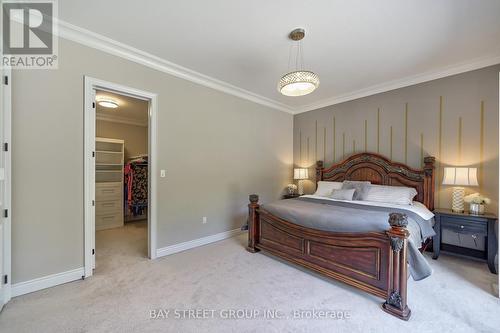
(216, 149)
(454, 119)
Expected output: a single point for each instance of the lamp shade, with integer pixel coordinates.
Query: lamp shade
(300, 173)
(460, 176)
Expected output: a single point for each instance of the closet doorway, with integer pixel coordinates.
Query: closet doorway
(120, 191)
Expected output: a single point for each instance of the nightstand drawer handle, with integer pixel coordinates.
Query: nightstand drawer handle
(461, 227)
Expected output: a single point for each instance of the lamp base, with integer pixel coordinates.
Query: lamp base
(457, 200)
(301, 187)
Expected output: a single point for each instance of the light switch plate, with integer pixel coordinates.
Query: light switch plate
(162, 173)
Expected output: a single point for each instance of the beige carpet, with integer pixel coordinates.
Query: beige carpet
(223, 276)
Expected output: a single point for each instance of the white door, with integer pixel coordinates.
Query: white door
(92, 175)
(5, 104)
(92, 132)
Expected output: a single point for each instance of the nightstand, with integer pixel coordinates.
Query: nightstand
(465, 234)
(291, 196)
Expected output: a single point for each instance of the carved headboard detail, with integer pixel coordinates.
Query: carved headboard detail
(381, 171)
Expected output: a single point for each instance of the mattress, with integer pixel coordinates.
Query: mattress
(359, 217)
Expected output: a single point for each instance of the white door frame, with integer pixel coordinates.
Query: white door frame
(91, 85)
(7, 132)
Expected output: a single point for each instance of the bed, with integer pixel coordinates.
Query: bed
(375, 257)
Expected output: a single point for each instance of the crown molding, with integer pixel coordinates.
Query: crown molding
(91, 39)
(121, 120)
(463, 67)
(111, 46)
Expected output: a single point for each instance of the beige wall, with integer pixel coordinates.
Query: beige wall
(136, 137)
(215, 147)
(467, 103)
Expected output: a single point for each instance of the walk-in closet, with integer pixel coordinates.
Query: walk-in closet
(121, 175)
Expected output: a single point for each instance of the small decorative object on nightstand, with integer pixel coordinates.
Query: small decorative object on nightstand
(466, 234)
(476, 203)
(291, 189)
(459, 177)
(300, 174)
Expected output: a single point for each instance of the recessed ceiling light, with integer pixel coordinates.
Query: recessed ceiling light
(107, 103)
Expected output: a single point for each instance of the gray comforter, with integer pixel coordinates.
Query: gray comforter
(350, 217)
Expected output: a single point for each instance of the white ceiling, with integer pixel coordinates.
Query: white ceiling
(129, 111)
(355, 46)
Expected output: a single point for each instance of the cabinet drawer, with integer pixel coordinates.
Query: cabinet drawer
(108, 207)
(475, 241)
(108, 191)
(108, 221)
(105, 157)
(464, 226)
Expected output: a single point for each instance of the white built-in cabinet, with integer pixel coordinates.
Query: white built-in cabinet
(109, 183)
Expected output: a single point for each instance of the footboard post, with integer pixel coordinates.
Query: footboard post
(396, 303)
(253, 223)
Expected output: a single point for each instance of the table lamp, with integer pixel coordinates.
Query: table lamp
(300, 174)
(459, 177)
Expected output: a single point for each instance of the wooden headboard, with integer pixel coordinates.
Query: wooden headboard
(381, 171)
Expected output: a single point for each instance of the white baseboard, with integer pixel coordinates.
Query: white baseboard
(168, 250)
(48, 281)
(30, 286)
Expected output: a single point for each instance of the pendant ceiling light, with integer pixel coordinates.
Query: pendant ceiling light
(298, 82)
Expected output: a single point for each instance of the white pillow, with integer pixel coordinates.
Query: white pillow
(399, 195)
(343, 194)
(326, 188)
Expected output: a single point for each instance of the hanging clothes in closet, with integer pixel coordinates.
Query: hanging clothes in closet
(136, 187)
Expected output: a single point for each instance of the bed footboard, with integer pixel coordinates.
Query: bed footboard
(373, 262)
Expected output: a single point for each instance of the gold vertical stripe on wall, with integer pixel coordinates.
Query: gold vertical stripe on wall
(390, 154)
(316, 142)
(324, 144)
(334, 138)
(366, 135)
(459, 139)
(481, 148)
(308, 158)
(421, 149)
(378, 131)
(343, 145)
(440, 145)
(406, 133)
(353, 146)
(301, 161)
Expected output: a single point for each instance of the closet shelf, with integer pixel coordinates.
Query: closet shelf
(108, 151)
(109, 183)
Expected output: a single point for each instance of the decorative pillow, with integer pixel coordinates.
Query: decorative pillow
(360, 187)
(399, 195)
(326, 188)
(343, 194)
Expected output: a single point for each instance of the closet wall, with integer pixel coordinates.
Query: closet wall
(136, 137)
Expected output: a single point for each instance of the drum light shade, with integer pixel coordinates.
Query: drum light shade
(460, 176)
(300, 173)
(298, 83)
